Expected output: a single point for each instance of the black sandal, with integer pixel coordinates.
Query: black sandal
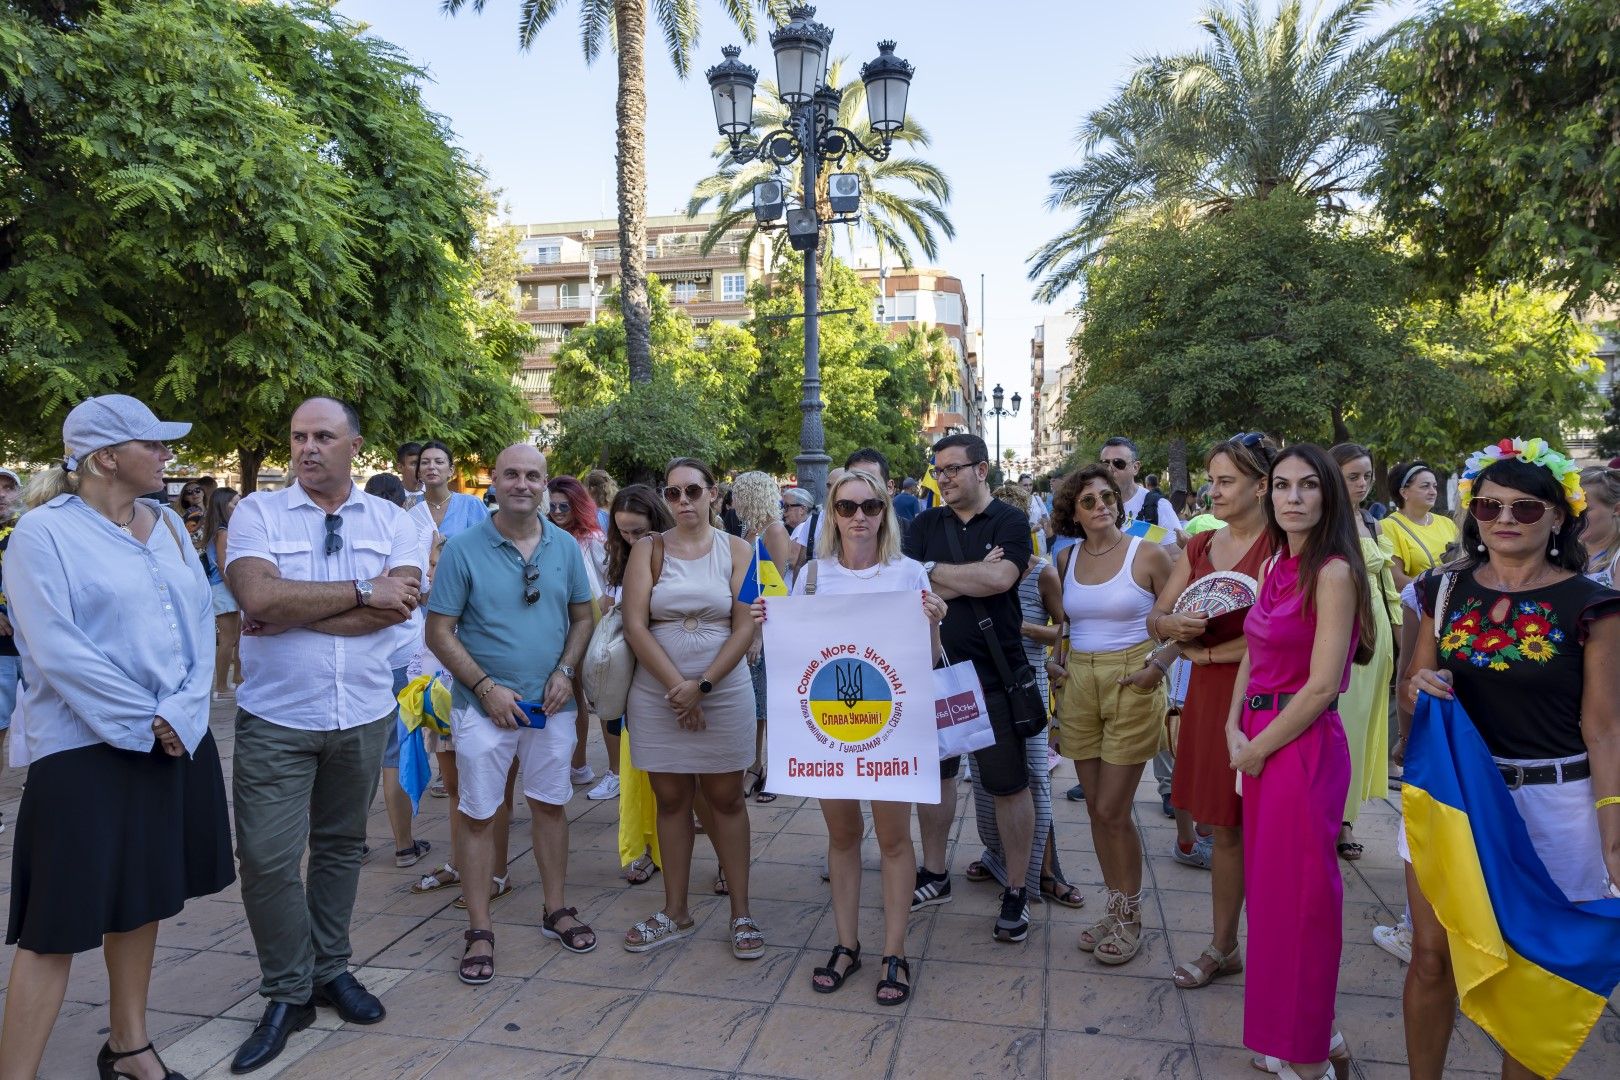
(108, 1058)
(831, 970)
(477, 970)
(895, 965)
(570, 937)
(760, 795)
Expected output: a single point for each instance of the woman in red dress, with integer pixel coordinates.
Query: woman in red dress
(1204, 784)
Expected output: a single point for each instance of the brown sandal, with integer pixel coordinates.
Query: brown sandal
(477, 970)
(570, 937)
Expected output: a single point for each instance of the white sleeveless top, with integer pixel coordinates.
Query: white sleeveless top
(1107, 617)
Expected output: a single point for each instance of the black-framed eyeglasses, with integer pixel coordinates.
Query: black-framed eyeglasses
(334, 534)
(531, 591)
(948, 472)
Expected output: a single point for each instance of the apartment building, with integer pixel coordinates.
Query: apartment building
(930, 298)
(1052, 366)
(570, 266)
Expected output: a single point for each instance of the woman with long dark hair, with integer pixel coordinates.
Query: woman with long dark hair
(1312, 617)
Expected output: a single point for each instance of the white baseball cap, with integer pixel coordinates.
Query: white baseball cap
(99, 422)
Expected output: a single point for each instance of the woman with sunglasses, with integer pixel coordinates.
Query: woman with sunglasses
(691, 703)
(861, 554)
(758, 505)
(1526, 643)
(1203, 784)
(571, 509)
(1108, 725)
(1600, 528)
(1418, 535)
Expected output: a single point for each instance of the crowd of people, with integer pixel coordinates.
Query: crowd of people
(1263, 709)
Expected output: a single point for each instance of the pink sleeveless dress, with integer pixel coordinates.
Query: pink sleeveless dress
(1291, 815)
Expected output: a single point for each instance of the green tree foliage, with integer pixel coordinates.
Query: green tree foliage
(223, 207)
(1263, 318)
(1504, 162)
(1286, 103)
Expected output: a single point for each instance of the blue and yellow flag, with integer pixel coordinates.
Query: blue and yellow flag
(928, 491)
(763, 578)
(1533, 968)
(1153, 534)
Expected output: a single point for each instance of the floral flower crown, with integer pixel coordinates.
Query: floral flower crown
(1533, 451)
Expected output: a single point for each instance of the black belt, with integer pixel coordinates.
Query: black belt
(1261, 702)
(1518, 776)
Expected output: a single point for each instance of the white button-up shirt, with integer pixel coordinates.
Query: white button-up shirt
(112, 632)
(302, 678)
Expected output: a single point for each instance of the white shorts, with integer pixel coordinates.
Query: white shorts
(1563, 829)
(484, 756)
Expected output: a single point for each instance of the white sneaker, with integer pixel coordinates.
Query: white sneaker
(582, 775)
(607, 789)
(1395, 940)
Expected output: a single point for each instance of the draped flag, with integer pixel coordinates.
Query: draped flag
(423, 703)
(1533, 968)
(1153, 534)
(928, 490)
(763, 577)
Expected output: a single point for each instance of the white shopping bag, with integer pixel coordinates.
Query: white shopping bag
(959, 711)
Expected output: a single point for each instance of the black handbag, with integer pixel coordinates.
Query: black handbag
(1024, 699)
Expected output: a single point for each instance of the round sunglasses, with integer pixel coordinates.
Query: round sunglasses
(1090, 499)
(693, 493)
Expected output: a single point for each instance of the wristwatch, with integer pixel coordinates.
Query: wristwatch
(567, 670)
(928, 567)
(362, 592)
(704, 686)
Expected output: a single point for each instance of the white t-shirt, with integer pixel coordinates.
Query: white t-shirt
(901, 575)
(801, 532)
(1167, 516)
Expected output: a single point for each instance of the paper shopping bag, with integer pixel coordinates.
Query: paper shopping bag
(960, 716)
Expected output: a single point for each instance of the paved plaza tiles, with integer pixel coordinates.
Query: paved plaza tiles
(691, 1011)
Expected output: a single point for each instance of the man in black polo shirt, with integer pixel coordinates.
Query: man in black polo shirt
(995, 545)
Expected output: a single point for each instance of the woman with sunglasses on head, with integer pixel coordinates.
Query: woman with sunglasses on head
(1106, 586)
(1526, 643)
(691, 703)
(1365, 708)
(571, 509)
(861, 554)
(1313, 617)
(1600, 528)
(190, 504)
(1418, 535)
(758, 505)
(1203, 785)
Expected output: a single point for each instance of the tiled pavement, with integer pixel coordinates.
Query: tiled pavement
(691, 1011)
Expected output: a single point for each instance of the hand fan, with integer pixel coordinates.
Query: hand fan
(1217, 594)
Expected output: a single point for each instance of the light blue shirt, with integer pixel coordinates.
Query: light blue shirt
(112, 631)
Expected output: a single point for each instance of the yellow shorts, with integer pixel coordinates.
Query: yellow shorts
(1098, 718)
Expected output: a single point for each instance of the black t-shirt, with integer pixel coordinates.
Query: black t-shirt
(997, 525)
(1517, 659)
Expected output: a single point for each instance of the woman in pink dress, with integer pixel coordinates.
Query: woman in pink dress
(1313, 616)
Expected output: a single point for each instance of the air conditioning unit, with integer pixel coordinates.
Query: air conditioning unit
(844, 192)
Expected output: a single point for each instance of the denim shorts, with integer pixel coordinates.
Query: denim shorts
(10, 683)
(390, 758)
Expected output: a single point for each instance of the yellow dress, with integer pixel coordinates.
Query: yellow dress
(1418, 547)
(1364, 708)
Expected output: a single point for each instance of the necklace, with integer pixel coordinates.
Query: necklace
(875, 571)
(1104, 551)
(438, 505)
(1533, 582)
(125, 525)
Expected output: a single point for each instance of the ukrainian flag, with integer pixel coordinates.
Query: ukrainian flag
(1153, 534)
(763, 578)
(928, 491)
(1533, 969)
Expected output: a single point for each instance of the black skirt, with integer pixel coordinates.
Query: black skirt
(109, 840)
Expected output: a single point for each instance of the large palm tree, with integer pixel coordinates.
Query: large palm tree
(622, 24)
(1289, 101)
(903, 196)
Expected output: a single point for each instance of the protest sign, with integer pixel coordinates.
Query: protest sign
(850, 690)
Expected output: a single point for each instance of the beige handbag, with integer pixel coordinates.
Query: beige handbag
(609, 664)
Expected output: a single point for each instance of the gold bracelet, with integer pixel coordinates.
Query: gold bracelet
(1612, 800)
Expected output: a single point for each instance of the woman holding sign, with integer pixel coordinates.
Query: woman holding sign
(861, 554)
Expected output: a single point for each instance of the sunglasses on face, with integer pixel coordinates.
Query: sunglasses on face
(1523, 511)
(948, 472)
(1250, 439)
(1117, 462)
(693, 493)
(531, 591)
(1090, 500)
(559, 507)
(870, 507)
(334, 534)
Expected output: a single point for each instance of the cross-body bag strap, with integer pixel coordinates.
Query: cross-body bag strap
(657, 557)
(810, 578)
(1442, 600)
(1416, 539)
(981, 613)
(165, 519)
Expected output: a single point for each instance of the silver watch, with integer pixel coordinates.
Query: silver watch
(928, 567)
(362, 592)
(567, 670)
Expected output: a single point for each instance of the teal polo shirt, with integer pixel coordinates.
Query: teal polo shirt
(480, 582)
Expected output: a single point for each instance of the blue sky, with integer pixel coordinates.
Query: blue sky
(1000, 87)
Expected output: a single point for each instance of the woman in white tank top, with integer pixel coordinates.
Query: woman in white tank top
(1107, 724)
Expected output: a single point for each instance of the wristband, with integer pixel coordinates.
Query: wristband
(481, 682)
(1612, 800)
(1160, 664)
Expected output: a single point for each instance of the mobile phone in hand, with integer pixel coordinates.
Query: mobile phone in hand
(534, 715)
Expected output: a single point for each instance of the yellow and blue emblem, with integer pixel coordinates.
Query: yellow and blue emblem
(850, 700)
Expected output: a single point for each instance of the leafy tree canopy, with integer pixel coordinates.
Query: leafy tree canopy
(224, 207)
(1504, 161)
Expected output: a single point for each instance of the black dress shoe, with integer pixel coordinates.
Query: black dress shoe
(353, 1002)
(268, 1039)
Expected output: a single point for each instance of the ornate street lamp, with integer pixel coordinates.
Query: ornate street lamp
(810, 136)
(996, 410)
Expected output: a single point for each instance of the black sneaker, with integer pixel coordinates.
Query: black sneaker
(1012, 925)
(1076, 793)
(931, 889)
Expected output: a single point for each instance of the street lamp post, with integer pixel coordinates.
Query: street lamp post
(998, 412)
(810, 137)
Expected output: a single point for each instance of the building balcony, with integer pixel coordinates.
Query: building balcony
(675, 257)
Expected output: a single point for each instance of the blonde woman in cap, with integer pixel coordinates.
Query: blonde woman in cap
(123, 819)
